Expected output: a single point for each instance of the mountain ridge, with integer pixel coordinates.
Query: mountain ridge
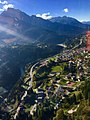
(86, 22)
(37, 29)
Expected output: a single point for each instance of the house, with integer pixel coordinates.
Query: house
(70, 84)
(40, 95)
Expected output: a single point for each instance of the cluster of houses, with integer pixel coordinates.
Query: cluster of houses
(57, 89)
(71, 78)
(40, 95)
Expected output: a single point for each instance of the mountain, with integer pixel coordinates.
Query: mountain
(66, 20)
(86, 22)
(19, 28)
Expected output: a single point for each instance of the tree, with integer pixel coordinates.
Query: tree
(89, 97)
(79, 96)
(60, 115)
(74, 99)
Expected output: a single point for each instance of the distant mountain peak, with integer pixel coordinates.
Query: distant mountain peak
(10, 11)
(14, 15)
(86, 22)
(66, 20)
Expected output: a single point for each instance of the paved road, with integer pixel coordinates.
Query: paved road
(25, 93)
(33, 109)
(81, 40)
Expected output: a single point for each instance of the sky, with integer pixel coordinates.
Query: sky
(79, 9)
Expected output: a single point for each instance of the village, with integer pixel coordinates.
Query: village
(51, 84)
(60, 77)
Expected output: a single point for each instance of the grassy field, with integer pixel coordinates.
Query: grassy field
(57, 69)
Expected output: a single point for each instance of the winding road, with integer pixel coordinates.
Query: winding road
(81, 40)
(25, 93)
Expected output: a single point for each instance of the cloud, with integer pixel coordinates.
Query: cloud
(5, 7)
(66, 10)
(4, 2)
(45, 16)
